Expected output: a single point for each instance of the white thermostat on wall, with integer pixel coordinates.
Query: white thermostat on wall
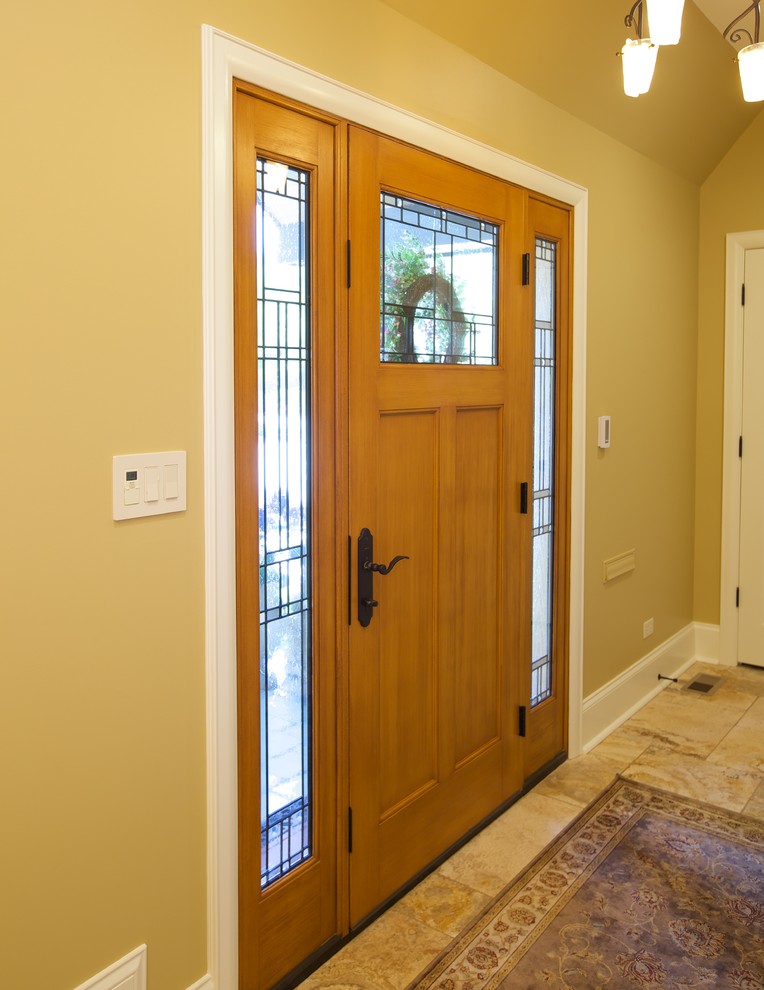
(148, 484)
(603, 431)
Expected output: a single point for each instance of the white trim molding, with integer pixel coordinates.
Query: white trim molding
(707, 646)
(619, 699)
(223, 59)
(737, 245)
(204, 984)
(128, 973)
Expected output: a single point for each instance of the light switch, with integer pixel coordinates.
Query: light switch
(148, 484)
(151, 484)
(171, 481)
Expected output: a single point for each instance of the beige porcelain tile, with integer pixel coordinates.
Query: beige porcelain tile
(578, 781)
(755, 806)
(744, 677)
(726, 787)
(444, 903)
(621, 747)
(742, 746)
(683, 721)
(494, 857)
(388, 955)
(736, 689)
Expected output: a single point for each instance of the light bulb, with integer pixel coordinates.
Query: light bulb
(664, 18)
(751, 64)
(638, 65)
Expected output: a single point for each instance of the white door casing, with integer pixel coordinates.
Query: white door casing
(224, 58)
(751, 568)
(739, 245)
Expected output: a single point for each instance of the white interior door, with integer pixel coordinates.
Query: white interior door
(751, 576)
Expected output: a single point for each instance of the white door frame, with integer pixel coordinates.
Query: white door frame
(223, 59)
(737, 245)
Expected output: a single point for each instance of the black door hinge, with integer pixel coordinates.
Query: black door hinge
(350, 830)
(526, 269)
(521, 726)
(524, 497)
(742, 295)
(740, 447)
(737, 597)
(350, 588)
(348, 263)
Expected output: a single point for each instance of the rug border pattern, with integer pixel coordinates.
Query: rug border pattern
(629, 800)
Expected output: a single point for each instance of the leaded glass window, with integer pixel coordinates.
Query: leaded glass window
(439, 285)
(283, 366)
(543, 469)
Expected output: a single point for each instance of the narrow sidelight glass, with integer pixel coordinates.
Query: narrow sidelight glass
(543, 469)
(283, 390)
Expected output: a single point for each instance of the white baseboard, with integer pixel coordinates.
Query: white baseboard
(620, 698)
(129, 973)
(707, 640)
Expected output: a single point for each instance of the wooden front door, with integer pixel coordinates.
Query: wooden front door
(440, 439)
(387, 405)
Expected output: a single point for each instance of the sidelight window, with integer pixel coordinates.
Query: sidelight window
(283, 373)
(543, 469)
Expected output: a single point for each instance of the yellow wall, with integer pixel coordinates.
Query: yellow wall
(102, 704)
(731, 200)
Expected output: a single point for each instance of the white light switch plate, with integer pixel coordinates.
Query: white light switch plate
(148, 484)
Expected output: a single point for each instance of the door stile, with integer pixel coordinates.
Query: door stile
(343, 274)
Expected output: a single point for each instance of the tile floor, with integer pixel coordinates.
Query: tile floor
(709, 747)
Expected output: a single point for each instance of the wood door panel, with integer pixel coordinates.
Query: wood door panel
(407, 494)
(478, 580)
(433, 747)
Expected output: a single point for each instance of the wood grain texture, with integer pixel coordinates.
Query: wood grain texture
(282, 925)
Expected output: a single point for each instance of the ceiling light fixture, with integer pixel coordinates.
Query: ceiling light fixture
(665, 21)
(664, 18)
(750, 59)
(638, 56)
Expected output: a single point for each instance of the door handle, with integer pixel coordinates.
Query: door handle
(366, 571)
(383, 568)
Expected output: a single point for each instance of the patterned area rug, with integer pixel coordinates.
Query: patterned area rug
(644, 889)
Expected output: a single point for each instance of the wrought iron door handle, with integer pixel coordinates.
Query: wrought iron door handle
(382, 568)
(366, 571)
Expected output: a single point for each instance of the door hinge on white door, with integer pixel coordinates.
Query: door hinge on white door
(740, 447)
(742, 295)
(737, 597)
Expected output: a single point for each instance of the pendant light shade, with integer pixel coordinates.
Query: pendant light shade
(638, 66)
(751, 65)
(664, 19)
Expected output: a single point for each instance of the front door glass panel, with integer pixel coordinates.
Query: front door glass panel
(439, 285)
(543, 469)
(283, 373)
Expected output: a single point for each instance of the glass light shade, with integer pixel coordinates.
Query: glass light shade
(664, 18)
(638, 65)
(751, 64)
